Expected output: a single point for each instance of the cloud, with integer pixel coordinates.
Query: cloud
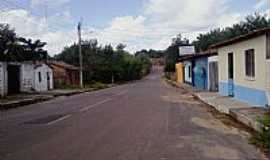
(29, 26)
(261, 4)
(162, 19)
(50, 3)
(153, 27)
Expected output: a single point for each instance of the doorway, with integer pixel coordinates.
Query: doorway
(48, 81)
(13, 79)
(230, 75)
(213, 76)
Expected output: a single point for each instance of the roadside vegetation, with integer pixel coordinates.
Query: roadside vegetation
(105, 64)
(262, 139)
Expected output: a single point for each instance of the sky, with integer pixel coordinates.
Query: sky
(140, 24)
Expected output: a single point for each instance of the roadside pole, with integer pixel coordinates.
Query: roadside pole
(80, 55)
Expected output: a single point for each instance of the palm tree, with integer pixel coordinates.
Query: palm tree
(34, 50)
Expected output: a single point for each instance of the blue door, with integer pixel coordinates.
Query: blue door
(230, 75)
(200, 77)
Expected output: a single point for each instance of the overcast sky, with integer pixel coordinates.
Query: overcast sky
(141, 24)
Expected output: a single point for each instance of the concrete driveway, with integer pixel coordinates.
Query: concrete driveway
(146, 120)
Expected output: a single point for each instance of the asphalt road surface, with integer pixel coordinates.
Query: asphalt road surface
(144, 120)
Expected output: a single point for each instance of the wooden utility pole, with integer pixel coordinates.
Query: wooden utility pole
(80, 54)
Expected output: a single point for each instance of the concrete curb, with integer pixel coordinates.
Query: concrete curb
(20, 103)
(46, 97)
(23, 102)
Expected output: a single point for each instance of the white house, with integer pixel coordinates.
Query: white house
(244, 67)
(16, 77)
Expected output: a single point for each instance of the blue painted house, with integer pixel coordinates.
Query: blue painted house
(197, 70)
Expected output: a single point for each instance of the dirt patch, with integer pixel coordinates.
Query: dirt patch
(181, 98)
(216, 152)
(217, 126)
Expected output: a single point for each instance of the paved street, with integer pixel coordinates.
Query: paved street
(144, 120)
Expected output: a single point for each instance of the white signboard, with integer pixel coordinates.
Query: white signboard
(186, 50)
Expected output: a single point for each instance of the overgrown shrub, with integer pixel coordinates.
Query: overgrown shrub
(98, 85)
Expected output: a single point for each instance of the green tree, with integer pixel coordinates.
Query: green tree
(104, 63)
(14, 48)
(251, 23)
(172, 52)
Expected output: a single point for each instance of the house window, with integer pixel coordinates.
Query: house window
(250, 62)
(39, 77)
(268, 46)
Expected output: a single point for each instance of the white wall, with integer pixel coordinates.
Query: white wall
(3, 78)
(43, 84)
(238, 49)
(27, 77)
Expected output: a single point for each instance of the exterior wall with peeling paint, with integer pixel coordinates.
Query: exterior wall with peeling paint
(29, 77)
(43, 78)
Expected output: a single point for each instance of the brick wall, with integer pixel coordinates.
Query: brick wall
(63, 76)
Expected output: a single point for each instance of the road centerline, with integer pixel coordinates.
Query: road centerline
(95, 105)
(58, 120)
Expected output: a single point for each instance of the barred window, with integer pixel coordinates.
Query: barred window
(250, 62)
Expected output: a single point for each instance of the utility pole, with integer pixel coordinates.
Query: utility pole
(80, 54)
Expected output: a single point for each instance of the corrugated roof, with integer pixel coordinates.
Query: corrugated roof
(244, 37)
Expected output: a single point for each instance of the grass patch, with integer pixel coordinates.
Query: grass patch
(65, 86)
(97, 85)
(262, 139)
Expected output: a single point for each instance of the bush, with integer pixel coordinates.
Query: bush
(263, 139)
(98, 85)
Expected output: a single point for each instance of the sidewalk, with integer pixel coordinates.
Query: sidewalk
(31, 98)
(241, 111)
(22, 100)
(66, 92)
